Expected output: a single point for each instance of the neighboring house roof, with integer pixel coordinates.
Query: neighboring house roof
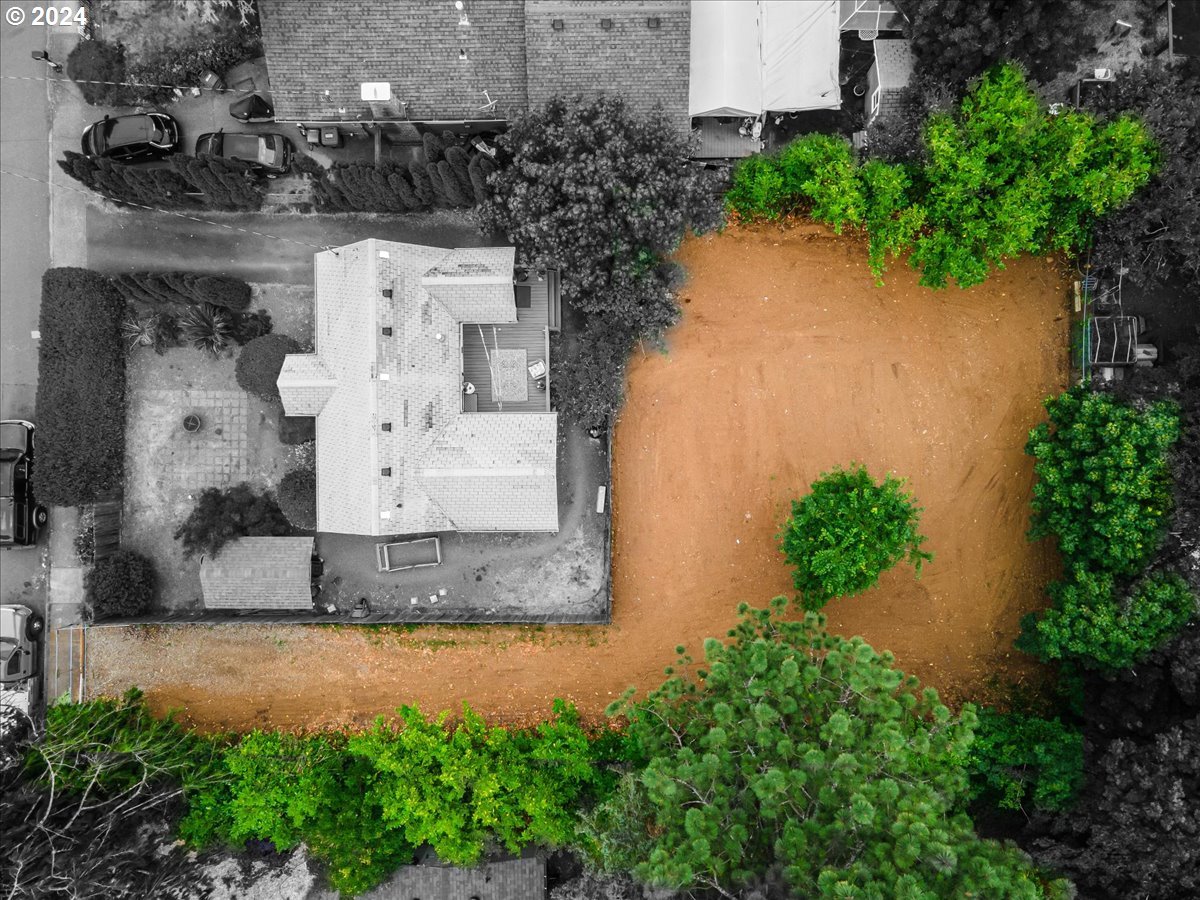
(516, 879)
(646, 67)
(514, 53)
(444, 470)
(259, 573)
(332, 45)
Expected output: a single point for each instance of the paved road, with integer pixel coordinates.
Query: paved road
(24, 255)
(280, 251)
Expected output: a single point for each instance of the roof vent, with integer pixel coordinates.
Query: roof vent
(606, 24)
(558, 25)
(387, 331)
(386, 426)
(653, 22)
(387, 292)
(386, 471)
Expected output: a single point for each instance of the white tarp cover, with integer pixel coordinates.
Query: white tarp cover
(757, 55)
(726, 77)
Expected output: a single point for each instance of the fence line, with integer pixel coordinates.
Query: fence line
(106, 525)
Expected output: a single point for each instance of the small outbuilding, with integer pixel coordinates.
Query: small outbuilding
(259, 573)
(514, 879)
(889, 75)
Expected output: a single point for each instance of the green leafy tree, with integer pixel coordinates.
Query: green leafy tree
(454, 789)
(957, 39)
(1154, 235)
(298, 497)
(260, 362)
(1089, 623)
(796, 751)
(1103, 486)
(590, 186)
(221, 516)
(123, 584)
(847, 531)
(999, 177)
(1018, 759)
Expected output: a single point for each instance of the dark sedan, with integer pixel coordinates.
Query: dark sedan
(20, 517)
(268, 153)
(135, 138)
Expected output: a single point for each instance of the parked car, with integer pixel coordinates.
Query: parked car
(21, 518)
(267, 153)
(20, 658)
(135, 138)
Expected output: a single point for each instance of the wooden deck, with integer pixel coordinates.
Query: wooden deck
(722, 141)
(529, 333)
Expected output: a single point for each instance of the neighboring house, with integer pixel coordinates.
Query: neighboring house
(515, 879)
(888, 77)
(259, 573)
(382, 62)
(430, 389)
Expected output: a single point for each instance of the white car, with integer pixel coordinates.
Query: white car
(20, 660)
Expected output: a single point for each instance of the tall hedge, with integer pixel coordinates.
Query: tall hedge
(81, 388)
(183, 289)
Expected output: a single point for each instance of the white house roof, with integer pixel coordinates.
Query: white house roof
(394, 452)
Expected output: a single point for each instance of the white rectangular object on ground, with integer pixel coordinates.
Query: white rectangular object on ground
(600, 492)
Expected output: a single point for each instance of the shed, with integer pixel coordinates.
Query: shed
(514, 879)
(259, 573)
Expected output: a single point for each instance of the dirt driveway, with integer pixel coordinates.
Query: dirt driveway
(788, 361)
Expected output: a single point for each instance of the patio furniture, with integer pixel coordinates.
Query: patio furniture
(413, 554)
(471, 402)
(361, 610)
(537, 368)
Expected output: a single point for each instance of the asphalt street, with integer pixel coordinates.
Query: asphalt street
(24, 255)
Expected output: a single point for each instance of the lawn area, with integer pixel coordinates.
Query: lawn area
(788, 361)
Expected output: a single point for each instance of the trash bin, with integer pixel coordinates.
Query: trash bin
(331, 137)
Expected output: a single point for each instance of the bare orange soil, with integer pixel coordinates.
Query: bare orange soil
(788, 361)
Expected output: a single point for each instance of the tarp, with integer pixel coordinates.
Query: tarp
(765, 55)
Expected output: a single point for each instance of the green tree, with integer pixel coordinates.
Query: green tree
(957, 39)
(999, 177)
(260, 362)
(847, 531)
(1018, 759)
(123, 584)
(1103, 486)
(298, 497)
(454, 788)
(221, 516)
(797, 751)
(1089, 623)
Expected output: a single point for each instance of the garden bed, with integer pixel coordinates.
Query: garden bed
(788, 361)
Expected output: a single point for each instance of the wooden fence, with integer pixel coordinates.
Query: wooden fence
(106, 525)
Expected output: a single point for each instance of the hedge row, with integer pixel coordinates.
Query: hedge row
(448, 177)
(190, 181)
(81, 388)
(183, 289)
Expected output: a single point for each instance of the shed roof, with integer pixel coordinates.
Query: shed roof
(433, 468)
(515, 879)
(894, 61)
(259, 573)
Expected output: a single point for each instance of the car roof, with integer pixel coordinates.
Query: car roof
(243, 146)
(7, 477)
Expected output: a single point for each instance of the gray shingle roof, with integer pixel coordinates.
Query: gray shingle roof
(645, 66)
(259, 573)
(894, 59)
(513, 53)
(333, 45)
(444, 470)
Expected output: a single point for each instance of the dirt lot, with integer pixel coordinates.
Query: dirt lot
(788, 362)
